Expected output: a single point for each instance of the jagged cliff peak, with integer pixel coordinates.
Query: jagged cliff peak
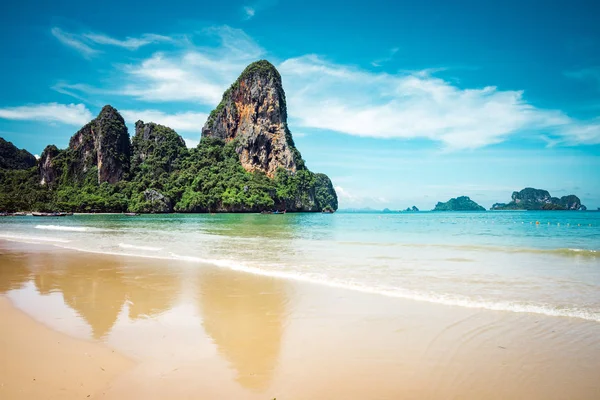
(102, 143)
(253, 111)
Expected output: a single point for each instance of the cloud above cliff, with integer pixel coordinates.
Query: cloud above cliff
(348, 99)
(418, 105)
(70, 114)
(88, 43)
(180, 122)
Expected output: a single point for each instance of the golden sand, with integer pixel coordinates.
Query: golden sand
(202, 332)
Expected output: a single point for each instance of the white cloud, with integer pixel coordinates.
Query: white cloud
(70, 114)
(198, 75)
(129, 43)
(249, 12)
(86, 43)
(180, 122)
(379, 62)
(74, 41)
(345, 99)
(191, 143)
(417, 105)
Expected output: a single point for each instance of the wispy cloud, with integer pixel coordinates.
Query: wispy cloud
(70, 114)
(586, 74)
(129, 43)
(250, 10)
(417, 105)
(74, 41)
(180, 122)
(198, 75)
(345, 99)
(87, 43)
(380, 61)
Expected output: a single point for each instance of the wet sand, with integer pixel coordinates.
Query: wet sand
(155, 329)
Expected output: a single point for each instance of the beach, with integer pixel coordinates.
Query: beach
(79, 324)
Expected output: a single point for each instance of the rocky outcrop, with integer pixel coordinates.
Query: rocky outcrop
(462, 203)
(253, 112)
(411, 209)
(156, 202)
(13, 158)
(158, 146)
(539, 199)
(47, 167)
(102, 145)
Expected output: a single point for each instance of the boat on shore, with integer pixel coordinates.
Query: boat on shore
(52, 214)
(131, 214)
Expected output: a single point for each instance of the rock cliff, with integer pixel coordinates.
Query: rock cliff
(245, 162)
(462, 203)
(47, 167)
(102, 144)
(539, 199)
(13, 158)
(253, 112)
(157, 146)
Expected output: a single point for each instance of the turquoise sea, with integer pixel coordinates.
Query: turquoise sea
(537, 262)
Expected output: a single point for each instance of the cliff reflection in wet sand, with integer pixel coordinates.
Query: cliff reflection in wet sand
(245, 315)
(98, 292)
(15, 272)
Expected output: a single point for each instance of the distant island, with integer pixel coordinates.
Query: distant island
(246, 162)
(462, 203)
(539, 199)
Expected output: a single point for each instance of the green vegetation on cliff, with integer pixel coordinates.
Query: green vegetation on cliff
(13, 158)
(245, 163)
(462, 203)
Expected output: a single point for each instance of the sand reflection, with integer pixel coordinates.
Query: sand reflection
(14, 272)
(245, 316)
(98, 291)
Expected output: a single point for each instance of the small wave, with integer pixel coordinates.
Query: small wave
(67, 228)
(471, 247)
(134, 247)
(445, 299)
(62, 228)
(33, 239)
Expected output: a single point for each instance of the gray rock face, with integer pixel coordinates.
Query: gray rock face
(531, 195)
(253, 111)
(104, 143)
(157, 202)
(47, 169)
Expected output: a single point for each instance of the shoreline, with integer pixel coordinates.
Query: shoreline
(260, 337)
(494, 306)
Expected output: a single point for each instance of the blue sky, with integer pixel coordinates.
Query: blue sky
(400, 103)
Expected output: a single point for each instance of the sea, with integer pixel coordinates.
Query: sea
(545, 262)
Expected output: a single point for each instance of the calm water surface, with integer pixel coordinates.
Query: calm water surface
(535, 262)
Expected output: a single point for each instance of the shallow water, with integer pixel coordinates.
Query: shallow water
(198, 331)
(534, 262)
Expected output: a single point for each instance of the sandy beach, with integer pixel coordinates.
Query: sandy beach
(81, 325)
